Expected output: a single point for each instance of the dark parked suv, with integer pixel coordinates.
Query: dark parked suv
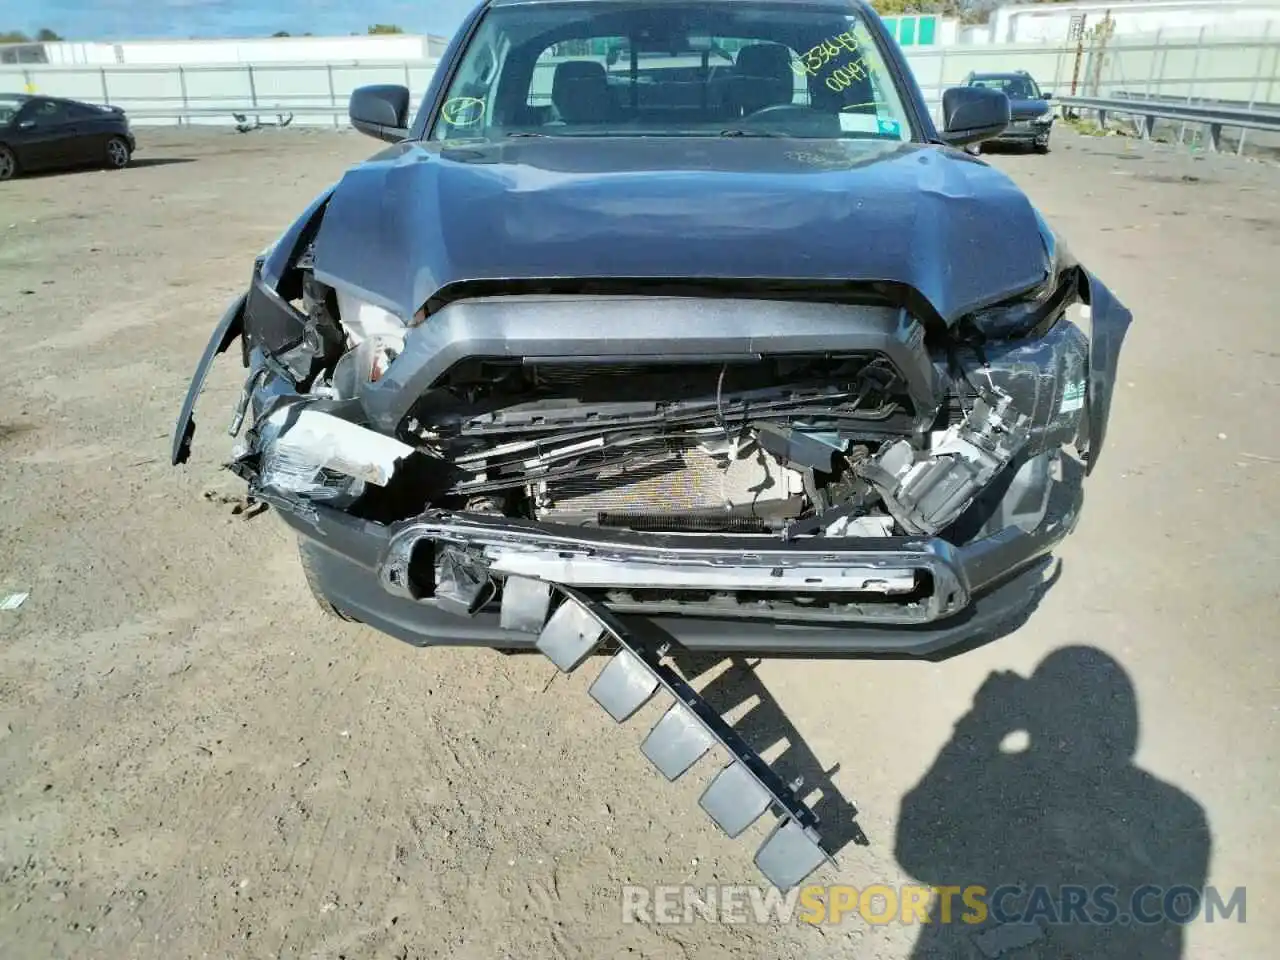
(670, 323)
(1030, 112)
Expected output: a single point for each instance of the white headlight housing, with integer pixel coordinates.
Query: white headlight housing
(362, 320)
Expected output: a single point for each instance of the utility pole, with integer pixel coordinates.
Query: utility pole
(1075, 31)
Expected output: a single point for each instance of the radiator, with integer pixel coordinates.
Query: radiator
(672, 477)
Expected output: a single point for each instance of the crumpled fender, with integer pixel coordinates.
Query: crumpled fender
(228, 330)
(277, 260)
(285, 251)
(1110, 321)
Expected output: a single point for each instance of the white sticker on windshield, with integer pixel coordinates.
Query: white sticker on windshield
(1072, 397)
(859, 123)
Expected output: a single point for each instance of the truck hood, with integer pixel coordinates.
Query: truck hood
(935, 221)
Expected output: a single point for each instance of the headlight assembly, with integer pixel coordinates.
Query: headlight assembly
(1033, 313)
(362, 319)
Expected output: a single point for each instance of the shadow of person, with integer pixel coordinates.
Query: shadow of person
(1037, 799)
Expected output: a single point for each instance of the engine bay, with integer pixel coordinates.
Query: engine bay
(744, 447)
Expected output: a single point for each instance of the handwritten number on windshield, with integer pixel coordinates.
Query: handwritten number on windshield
(813, 59)
(847, 75)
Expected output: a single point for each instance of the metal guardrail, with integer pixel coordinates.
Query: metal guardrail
(1214, 117)
(242, 115)
(255, 116)
(1198, 101)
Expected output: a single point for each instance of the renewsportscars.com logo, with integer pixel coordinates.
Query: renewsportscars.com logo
(880, 904)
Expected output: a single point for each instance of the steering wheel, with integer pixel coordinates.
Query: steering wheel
(779, 111)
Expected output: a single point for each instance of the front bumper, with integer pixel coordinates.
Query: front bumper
(976, 590)
(1025, 131)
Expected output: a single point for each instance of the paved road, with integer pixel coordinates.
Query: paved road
(195, 763)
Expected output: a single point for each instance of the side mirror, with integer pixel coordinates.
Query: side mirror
(1045, 96)
(973, 114)
(26, 124)
(381, 110)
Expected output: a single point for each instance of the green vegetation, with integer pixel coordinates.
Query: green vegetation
(43, 35)
(1088, 128)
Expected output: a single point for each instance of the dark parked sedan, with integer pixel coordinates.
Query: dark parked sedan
(42, 133)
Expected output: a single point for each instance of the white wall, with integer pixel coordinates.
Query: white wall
(948, 31)
(1041, 23)
(398, 47)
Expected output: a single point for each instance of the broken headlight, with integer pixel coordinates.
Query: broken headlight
(362, 319)
(291, 467)
(1033, 312)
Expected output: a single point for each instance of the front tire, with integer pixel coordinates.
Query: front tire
(8, 164)
(118, 153)
(1042, 148)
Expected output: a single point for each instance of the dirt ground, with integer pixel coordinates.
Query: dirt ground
(195, 763)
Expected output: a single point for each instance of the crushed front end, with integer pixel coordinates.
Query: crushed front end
(774, 467)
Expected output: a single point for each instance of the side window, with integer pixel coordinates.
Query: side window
(470, 102)
(45, 113)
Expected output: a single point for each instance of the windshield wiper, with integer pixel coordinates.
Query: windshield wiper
(527, 133)
(750, 133)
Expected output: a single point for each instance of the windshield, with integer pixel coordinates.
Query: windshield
(1015, 88)
(663, 69)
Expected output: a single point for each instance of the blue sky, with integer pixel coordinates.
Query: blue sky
(142, 19)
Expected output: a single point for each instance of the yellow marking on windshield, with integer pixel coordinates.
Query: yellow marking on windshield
(823, 53)
(462, 111)
(847, 75)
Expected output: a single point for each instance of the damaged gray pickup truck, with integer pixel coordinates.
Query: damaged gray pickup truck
(681, 314)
